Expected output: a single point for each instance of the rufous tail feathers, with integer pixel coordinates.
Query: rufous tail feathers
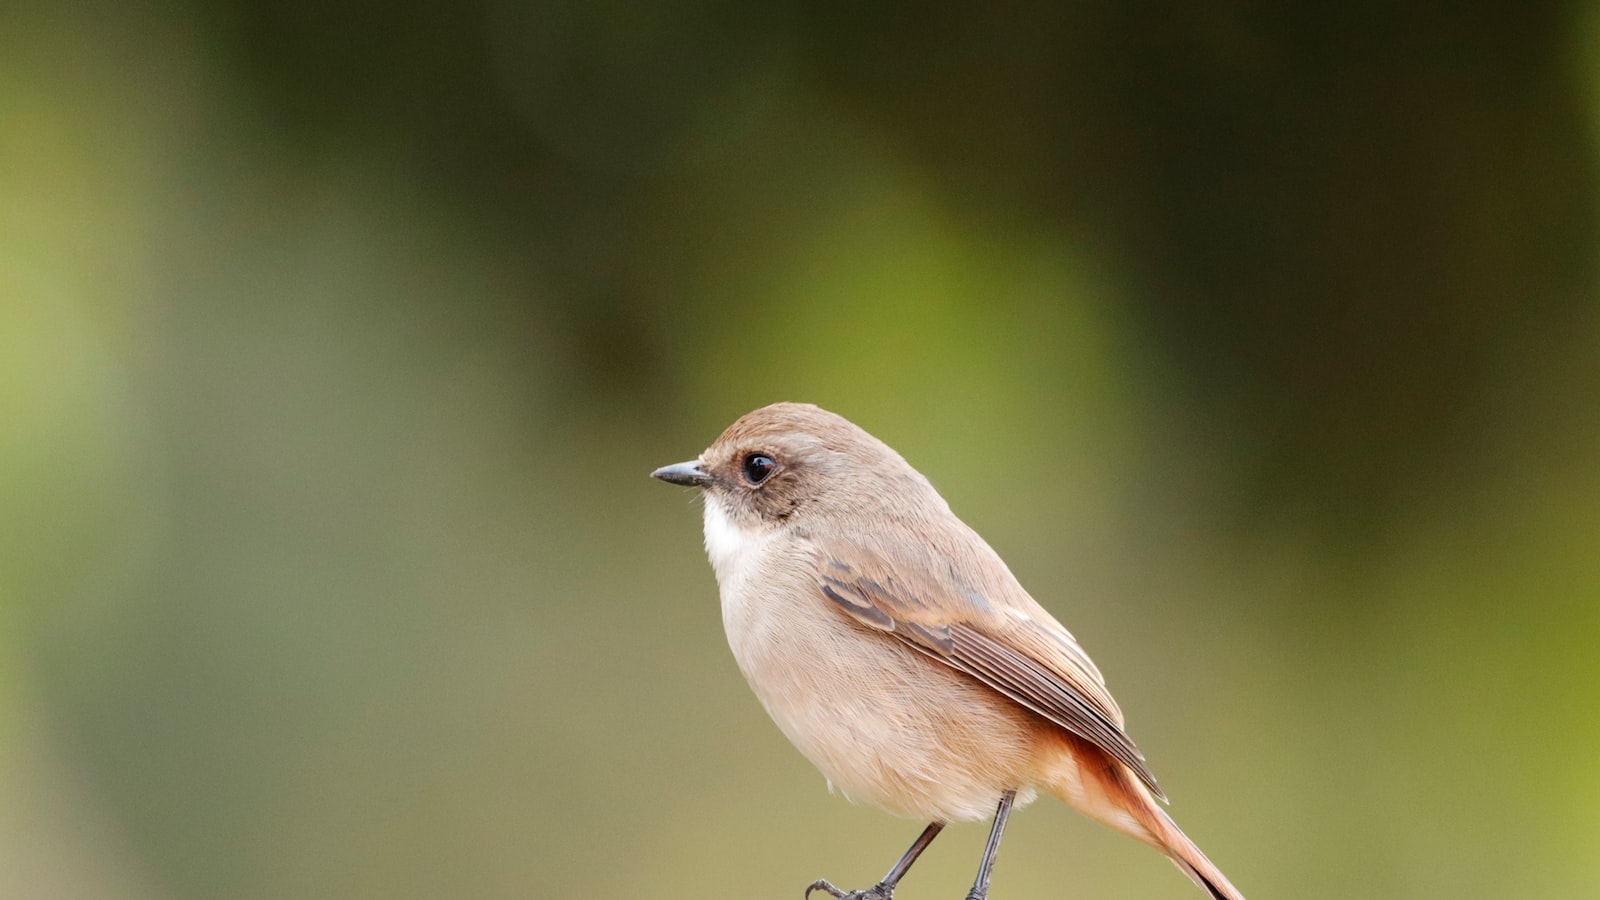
(1102, 788)
(1187, 856)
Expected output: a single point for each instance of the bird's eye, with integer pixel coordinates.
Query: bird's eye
(757, 466)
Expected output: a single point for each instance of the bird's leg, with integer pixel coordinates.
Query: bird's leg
(884, 889)
(980, 886)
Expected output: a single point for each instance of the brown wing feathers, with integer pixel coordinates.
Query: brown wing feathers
(992, 658)
(1042, 690)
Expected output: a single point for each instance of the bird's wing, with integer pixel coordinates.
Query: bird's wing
(994, 633)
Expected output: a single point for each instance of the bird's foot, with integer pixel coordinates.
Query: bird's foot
(879, 891)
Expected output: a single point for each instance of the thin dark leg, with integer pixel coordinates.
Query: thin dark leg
(911, 854)
(884, 889)
(980, 887)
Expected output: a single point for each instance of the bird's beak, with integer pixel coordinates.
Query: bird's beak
(685, 473)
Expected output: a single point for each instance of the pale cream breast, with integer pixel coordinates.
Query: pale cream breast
(885, 724)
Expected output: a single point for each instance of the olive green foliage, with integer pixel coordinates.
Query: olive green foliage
(337, 341)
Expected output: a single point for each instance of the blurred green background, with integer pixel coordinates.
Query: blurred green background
(337, 340)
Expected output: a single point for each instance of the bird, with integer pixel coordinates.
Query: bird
(896, 650)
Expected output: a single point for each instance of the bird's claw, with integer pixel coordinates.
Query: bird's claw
(876, 892)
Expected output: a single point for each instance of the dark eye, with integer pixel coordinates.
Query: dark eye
(757, 466)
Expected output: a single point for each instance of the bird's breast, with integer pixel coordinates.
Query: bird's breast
(883, 723)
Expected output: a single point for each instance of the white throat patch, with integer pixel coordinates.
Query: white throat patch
(731, 549)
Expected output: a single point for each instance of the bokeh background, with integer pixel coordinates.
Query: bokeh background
(337, 340)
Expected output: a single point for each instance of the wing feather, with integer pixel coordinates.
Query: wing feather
(1000, 637)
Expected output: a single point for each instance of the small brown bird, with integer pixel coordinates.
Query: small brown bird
(897, 651)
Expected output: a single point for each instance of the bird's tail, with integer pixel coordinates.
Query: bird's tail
(1104, 789)
(1187, 856)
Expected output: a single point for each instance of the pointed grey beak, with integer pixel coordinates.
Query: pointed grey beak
(684, 473)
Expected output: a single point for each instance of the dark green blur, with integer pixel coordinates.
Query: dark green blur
(338, 339)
